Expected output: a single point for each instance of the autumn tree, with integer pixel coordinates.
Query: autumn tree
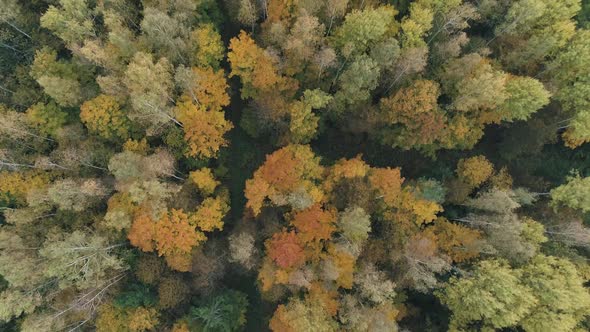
(412, 116)
(103, 115)
(204, 129)
(475, 170)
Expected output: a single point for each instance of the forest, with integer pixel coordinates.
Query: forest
(294, 165)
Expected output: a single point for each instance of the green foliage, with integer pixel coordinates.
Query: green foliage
(492, 295)
(118, 148)
(137, 295)
(46, 118)
(575, 193)
(223, 312)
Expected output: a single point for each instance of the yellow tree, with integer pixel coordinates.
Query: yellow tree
(203, 130)
(103, 116)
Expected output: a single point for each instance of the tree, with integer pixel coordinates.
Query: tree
(284, 171)
(314, 224)
(209, 49)
(355, 225)
(172, 292)
(80, 259)
(129, 166)
(285, 249)
(374, 285)
(363, 29)
(103, 115)
(165, 34)
(475, 170)
(14, 303)
(574, 193)
(356, 84)
(46, 118)
(302, 315)
(149, 84)
(412, 116)
(72, 21)
(60, 79)
(204, 130)
(525, 96)
(423, 262)
(223, 312)
(563, 301)
(75, 195)
(204, 180)
(492, 295)
(242, 249)
(256, 68)
(205, 86)
(209, 215)
(535, 29)
(578, 130)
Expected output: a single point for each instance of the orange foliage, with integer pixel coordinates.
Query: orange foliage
(256, 191)
(210, 88)
(314, 223)
(346, 169)
(327, 298)
(280, 320)
(388, 182)
(285, 170)
(256, 69)
(209, 215)
(455, 240)
(285, 250)
(174, 234)
(203, 130)
(142, 232)
(416, 108)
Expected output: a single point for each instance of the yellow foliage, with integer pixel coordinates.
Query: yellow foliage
(103, 116)
(143, 319)
(475, 170)
(140, 147)
(210, 88)
(203, 130)
(209, 216)
(210, 48)
(204, 180)
(16, 185)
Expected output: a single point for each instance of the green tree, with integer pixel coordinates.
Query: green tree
(223, 312)
(563, 301)
(575, 193)
(492, 295)
(72, 21)
(150, 87)
(525, 96)
(46, 118)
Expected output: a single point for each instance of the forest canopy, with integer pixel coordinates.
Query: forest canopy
(294, 165)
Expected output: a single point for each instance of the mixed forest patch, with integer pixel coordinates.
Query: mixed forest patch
(294, 165)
